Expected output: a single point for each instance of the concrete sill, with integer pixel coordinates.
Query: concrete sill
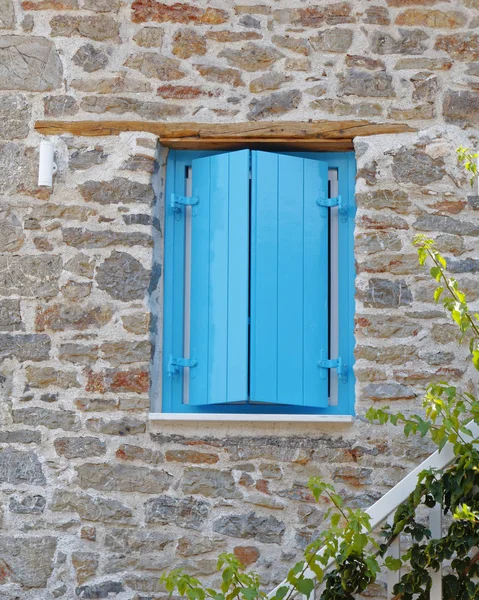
(228, 418)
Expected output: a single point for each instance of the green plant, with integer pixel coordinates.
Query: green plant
(346, 557)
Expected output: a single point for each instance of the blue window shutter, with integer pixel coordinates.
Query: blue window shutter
(219, 279)
(289, 280)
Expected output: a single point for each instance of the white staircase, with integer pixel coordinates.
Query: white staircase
(385, 507)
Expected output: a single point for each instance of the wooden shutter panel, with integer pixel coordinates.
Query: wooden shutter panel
(219, 279)
(289, 280)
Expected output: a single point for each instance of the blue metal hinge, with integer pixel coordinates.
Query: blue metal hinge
(326, 203)
(176, 363)
(178, 201)
(337, 363)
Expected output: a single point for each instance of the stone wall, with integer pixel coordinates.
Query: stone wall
(96, 501)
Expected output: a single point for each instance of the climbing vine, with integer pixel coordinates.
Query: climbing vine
(346, 557)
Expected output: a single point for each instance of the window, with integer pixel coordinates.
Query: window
(258, 283)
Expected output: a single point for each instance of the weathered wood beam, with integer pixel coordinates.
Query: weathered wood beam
(311, 135)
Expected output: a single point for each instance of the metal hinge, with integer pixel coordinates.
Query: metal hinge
(176, 363)
(336, 363)
(326, 203)
(178, 201)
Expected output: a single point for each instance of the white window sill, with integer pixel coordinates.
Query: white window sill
(225, 418)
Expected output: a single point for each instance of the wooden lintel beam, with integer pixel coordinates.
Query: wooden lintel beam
(310, 135)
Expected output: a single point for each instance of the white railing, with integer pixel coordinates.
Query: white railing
(385, 507)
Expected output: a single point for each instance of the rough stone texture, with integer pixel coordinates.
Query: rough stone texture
(81, 265)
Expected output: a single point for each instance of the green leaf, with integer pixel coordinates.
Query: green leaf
(437, 294)
(435, 273)
(305, 586)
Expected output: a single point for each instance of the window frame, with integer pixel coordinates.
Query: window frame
(173, 297)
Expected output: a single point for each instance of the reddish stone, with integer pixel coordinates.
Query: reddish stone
(191, 456)
(262, 486)
(179, 92)
(112, 380)
(50, 4)
(247, 555)
(225, 35)
(150, 10)
(431, 18)
(230, 76)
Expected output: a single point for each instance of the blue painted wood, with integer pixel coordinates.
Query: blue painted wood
(219, 279)
(289, 281)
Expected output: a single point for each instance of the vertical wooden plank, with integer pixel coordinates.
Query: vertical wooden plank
(238, 276)
(435, 525)
(290, 295)
(219, 279)
(264, 278)
(316, 282)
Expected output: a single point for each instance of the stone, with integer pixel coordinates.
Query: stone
(377, 15)
(431, 64)
(394, 199)
(146, 163)
(364, 62)
(466, 265)
(383, 293)
(251, 57)
(138, 540)
(79, 447)
(461, 108)
(119, 353)
(76, 290)
(138, 323)
(247, 555)
(387, 391)
(268, 530)
(415, 166)
(431, 18)
(209, 482)
(91, 508)
(115, 380)
(12, 232)
(123, 277)
(49, 4)
(249, 21)
(252, 9)
(88, 533)
(100, 590)
(187, 43)
(460, 46)
(102, 5)
(27, 505)
(424, 111)
(334, 39)
(155, 65)
(395, 355)
(96, 404)
(268, 81)
(384, 326)
(10, 316)
(121, 105)
(184, 512)
(227, 36)
(20, 436)
(25, 347)
(64, 317)
(377, 241)
(447, 225)
(30, 276)
(425, 86)
(52, 419)
(340, 107)
(131, 452)
(230, 76)
(123, 426)
(42, 377)
(98, 27)
(315, 16)
(15, 113)
(298, 45)
(85, 565)
(7, 14)
(61, 211)
(276, 103)
(27, 561)
(150, 37)
(438, 358)
(352, 475)
(150, 10)
(29, 63)
(42, 244)
(60, 106)
(381, 221)
(110, 85)
(360, 83)
(191, 456)
(197, 544)
(116, 191)
(404, 264)
(87, 238)
(410, 41)
(90, 58)
(20, 467)
(82, 265)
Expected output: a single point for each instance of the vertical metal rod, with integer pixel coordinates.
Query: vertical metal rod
(435, 525)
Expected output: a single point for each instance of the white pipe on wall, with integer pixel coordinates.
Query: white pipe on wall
(47, 167)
